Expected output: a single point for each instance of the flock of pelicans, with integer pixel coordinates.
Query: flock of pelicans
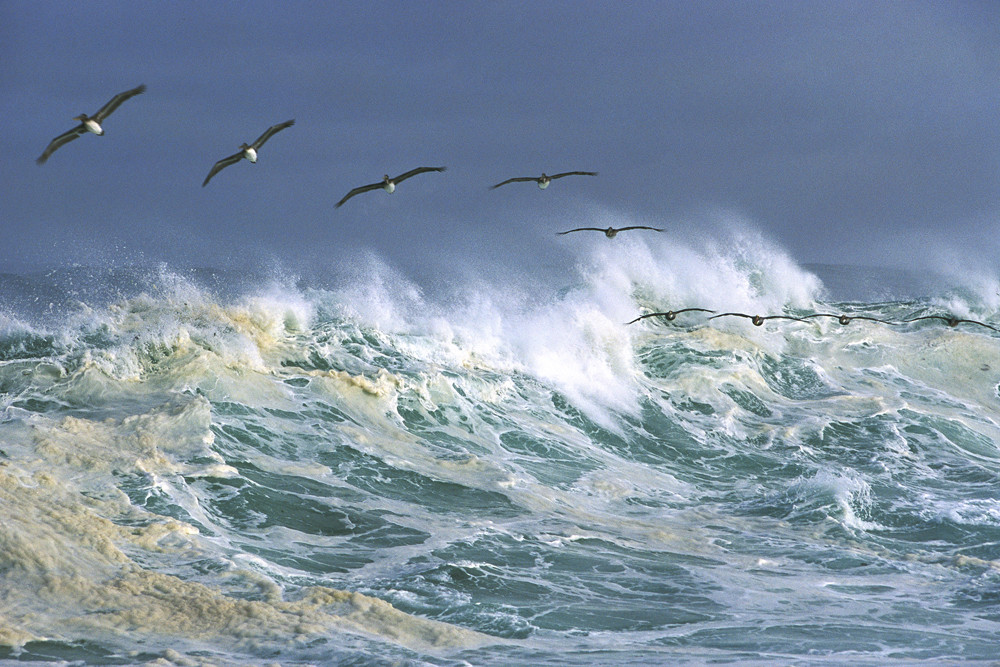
(92, 124)
(249, 152)
(758, 320)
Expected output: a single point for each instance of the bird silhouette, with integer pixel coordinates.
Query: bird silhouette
(610, 232)
(387, 184)
(846, 319)
(247, 151)
(951, 321)
(89, 123)
(544, 180)
(670, 315)
(759, 319)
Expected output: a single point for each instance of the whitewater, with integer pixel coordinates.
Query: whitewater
(203, 467)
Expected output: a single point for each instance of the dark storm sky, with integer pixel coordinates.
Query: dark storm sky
(857, 132)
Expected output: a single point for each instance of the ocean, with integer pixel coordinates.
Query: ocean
(207, 466)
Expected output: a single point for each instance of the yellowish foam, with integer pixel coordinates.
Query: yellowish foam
(69, 539)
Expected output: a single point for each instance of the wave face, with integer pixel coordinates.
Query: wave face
(201, 468)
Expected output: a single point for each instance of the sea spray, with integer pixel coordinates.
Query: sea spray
(199, 468)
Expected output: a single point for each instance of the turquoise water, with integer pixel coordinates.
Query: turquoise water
(197, 467)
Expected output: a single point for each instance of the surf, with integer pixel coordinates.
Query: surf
(231, 466)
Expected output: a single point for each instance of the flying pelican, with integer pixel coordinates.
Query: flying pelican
(670, 314)
(544, 180)
(610, 232)
(248, 152)
(387, 184)
(758, 319)
(951, 321)
(89, 123)
(846, 319)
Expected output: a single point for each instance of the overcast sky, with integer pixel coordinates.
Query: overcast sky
(857, 132)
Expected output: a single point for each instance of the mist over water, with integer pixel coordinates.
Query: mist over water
(353, 464)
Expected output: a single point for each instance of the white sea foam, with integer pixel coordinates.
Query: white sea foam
(574, 339)
(209, 470)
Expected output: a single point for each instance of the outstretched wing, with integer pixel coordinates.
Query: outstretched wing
(269, 132)
(414, 172)
(574, 173)
(358, 190)
(116, 102)
(952, 321)
(845, 319)
(655, 229)
(749, 317)
(982, 324)
(63, 138)
(782, 317)
(581, 229)
(642, 317)
(671, 314)
(519, 179)
(222, 164)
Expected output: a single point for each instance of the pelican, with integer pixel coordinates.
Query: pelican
(387, 184)
(248, 152)
(670, 315)
(610, 232)
(544, 180)
(89, 123)
(951, 321)
(758, 319)
(846, 319)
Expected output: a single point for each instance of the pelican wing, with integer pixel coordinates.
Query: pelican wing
(982, 324)
(749, 317)
(116, 102)
(581, 229)
(519, 179)
(953, 321)
(222, 164)
(642, 317)
(358, 190)
(655, 229)
(844, 319)
(270, 131)
(414, 172)
(671, 314)
(574, 173)
(63, 138)
(782, 317)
